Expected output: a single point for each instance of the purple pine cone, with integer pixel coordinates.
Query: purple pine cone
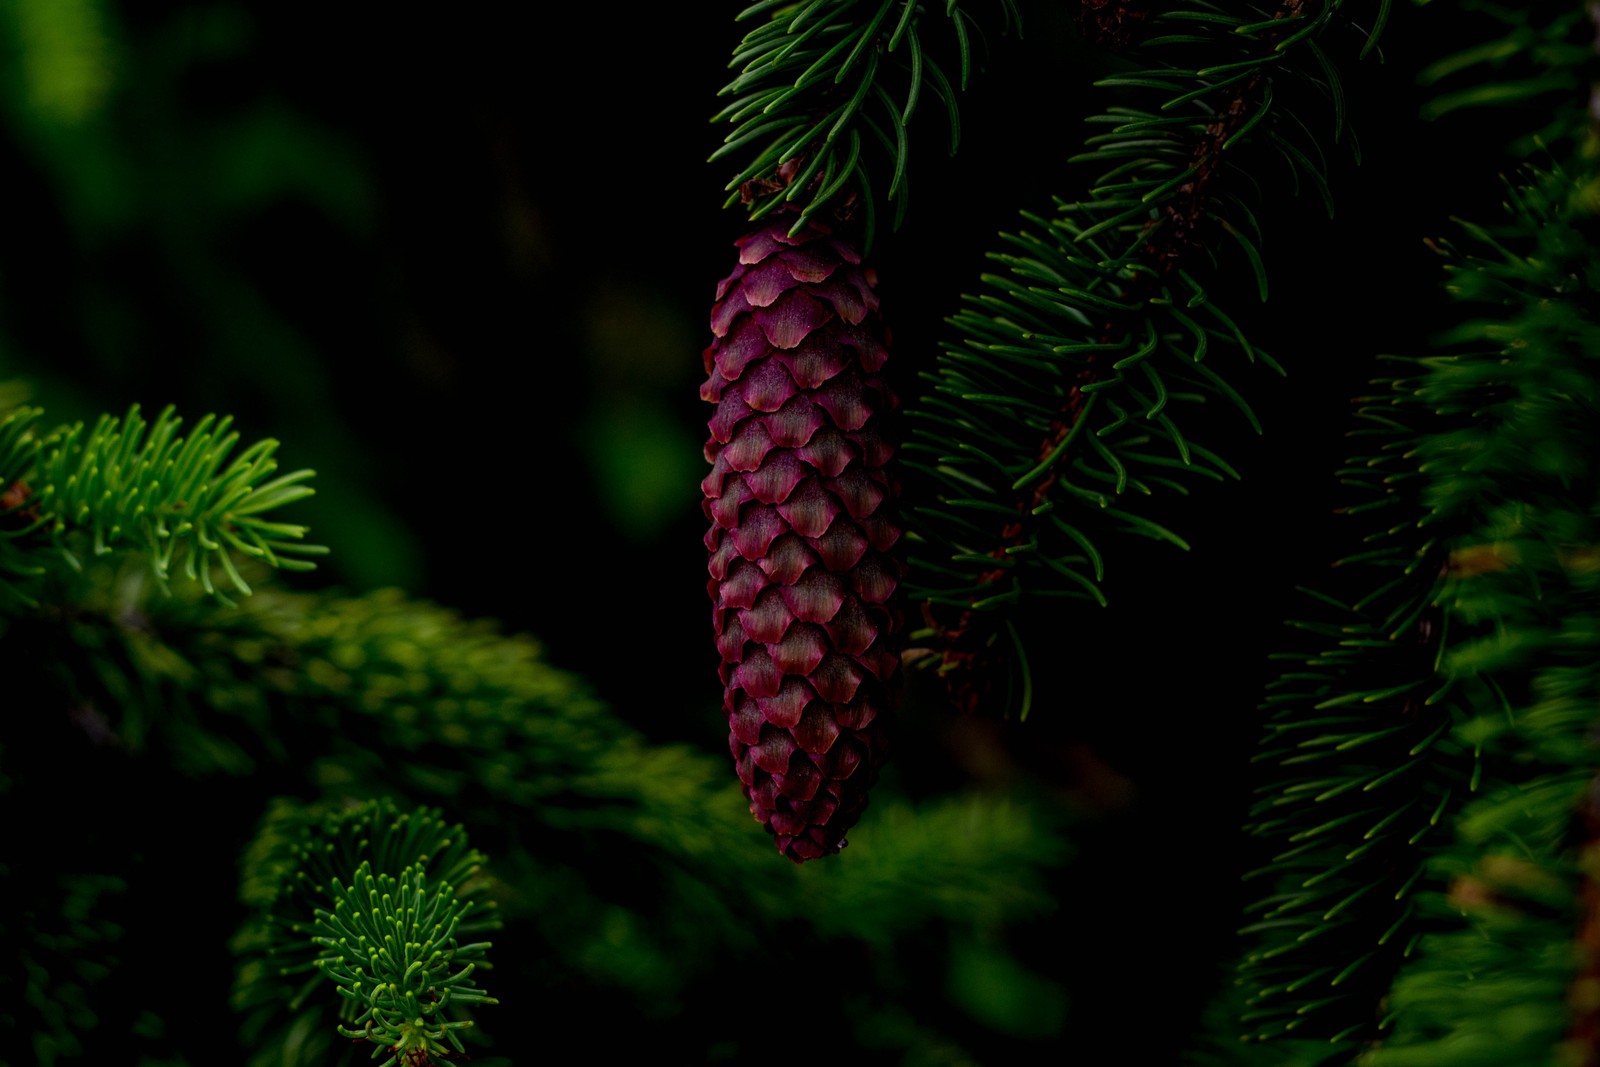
(802, 584)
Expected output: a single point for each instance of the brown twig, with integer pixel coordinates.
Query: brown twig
(1583, 995)
(1111, 23)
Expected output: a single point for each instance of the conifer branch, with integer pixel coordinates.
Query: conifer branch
(386, 905)
(1364, 770)
(405, 697)
(390, 945)
(1529, 59)
(1511, 912)
(186, 501)
(1102, 323)
(1485, 470)
(627, 856)
(821, 85)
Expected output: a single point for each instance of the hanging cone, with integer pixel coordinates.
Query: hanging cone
(802, 582)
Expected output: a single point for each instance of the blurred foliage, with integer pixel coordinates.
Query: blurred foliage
(617, 864)
(645, 462)
(228, 214)
(1430, 769)
(127, 280)
(1506, 973)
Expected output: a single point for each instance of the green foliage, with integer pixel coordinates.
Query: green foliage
(820, 83)
(1524, 60)
(1430, 891)
(1059, 405)
(1470, 660)
(62, 947)
(185, 501)
(1492, 985)
(339, 896)
(390, 945)
(1510, 889)
(152, 165)
(1362, 769)
(617, 861)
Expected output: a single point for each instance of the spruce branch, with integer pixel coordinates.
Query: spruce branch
(386, 904)
(822, 85)
(186, 501)
(628, 856)
(1485, 469)
(1060, 404)
(390, 945)
(1363, 769)
(1527, 57)
(1511, 888)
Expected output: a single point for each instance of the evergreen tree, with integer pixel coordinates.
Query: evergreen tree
(259, 818)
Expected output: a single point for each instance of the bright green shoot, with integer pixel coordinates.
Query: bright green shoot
(390, 945)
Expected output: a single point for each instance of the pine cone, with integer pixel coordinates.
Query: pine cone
(799, 499)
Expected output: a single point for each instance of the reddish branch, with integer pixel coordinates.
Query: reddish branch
(964, 645)
(13, 513)
(1583, 995)
(1111, 23)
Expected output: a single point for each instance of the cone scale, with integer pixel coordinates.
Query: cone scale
(800, 505)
